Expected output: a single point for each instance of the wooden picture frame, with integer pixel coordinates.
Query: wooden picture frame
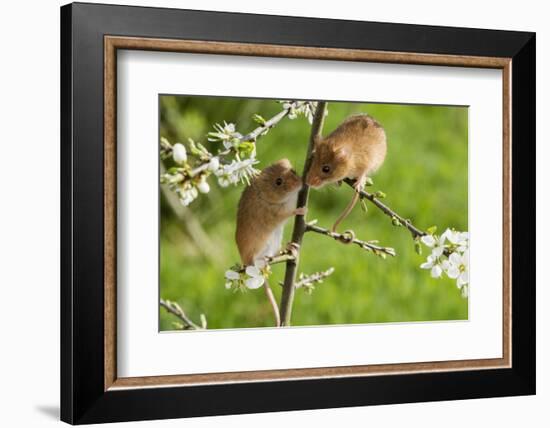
(91, 390)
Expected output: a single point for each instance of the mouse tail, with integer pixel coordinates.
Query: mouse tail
(346, 212)
(273, 302)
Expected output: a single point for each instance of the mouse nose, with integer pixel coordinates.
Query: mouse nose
(312, 181)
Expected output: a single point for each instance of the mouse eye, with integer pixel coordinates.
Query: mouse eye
(326, 169)
(279, 181)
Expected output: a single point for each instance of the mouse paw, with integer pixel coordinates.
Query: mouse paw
(300, 211)
(360, 183)
(292, 248)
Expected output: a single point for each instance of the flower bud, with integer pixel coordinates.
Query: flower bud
(214, 164)
(203, 186)
(179, 153)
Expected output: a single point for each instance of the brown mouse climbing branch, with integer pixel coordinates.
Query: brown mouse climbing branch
(287, 297)
(416, 233)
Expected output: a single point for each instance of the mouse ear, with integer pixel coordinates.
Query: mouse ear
(341, 154)
(316, 141)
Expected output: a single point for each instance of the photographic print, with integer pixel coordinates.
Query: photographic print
(306, 213)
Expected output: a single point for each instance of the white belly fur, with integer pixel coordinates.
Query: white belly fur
(273, 245)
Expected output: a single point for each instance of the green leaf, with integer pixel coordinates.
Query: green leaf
(431, 230)
(246, 148)
(258, 119)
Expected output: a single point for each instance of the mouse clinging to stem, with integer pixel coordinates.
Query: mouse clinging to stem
(265, 206)
(354, 150)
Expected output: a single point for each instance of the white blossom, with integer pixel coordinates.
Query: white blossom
(231, 276)
(237, 171)
(437, 244)
(256, 275)
(203, 186)
(434, 265)
(187, 194)
(459, 239)
(179, 153)
(459, 268)
(214, 164)
(227, 134)
(306, 108)
(450, 255)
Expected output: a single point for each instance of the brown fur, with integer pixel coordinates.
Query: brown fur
(354, 150)
(264, 206)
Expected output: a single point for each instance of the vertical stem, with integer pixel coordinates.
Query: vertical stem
(287, 297)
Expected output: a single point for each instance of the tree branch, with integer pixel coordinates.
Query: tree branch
(176, 310)
(252, 136)
(416, 233)
(284, 256)
(287, 297)
(349, 239)
(266, 126)
(307, 281)
(166, 147)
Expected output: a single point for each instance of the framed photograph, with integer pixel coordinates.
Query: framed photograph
(265, 213)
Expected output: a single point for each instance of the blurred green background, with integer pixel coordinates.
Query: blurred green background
(425, 177)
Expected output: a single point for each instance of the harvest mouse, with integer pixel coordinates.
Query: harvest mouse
(354, 150)
(264, 208)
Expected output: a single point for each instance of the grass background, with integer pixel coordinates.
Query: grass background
(425, 177)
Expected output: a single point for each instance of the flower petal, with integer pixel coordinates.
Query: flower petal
(179, 153)
(437, 251)
(453, 271)
(254, 282)
(455, 259)
(203, 186)
(464, 278)
(253, 271)
(426, 265)
(428, 240)
(214, 164)
(232, 275)
(436, 271)
(452, 236)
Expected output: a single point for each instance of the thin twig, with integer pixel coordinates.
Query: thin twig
(287, 297)
(175, 309)
(267, 125)
(347, 238)
(314, 278)
(251, 136)
(272, 260)
(416, 233)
